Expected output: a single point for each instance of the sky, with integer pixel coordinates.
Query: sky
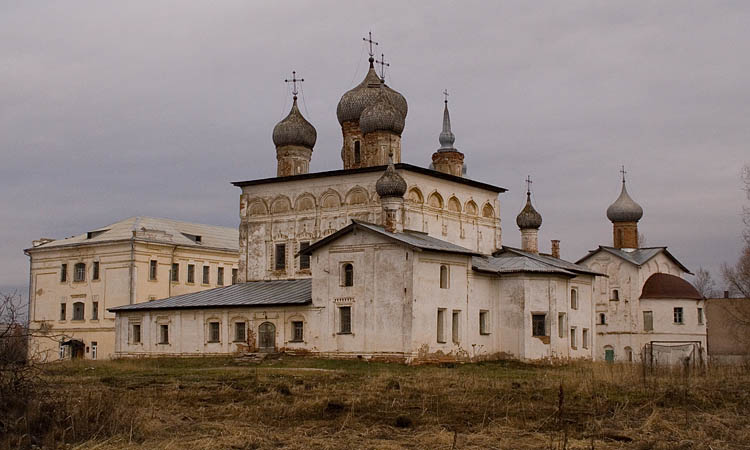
(114, 109)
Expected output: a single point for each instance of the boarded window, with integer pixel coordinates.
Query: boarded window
(63, 273)
(648, 320)
(304, 259)
(298, 331)
(239, 332)
(164, 334)
(95, 310)
(539, 324)
(456, 320)
(213, 332)
(280, 257)
(573, 299)
(135, 336)
(79, 272)
(678, 315)
(484, 326)
(78, 311)
(206, 274)
(441, 325)
(345, 319)
(444, 277)
(220, 276)
(152, 269)
(191, 273)
(234, 276)
(175, 273)
(95, 274)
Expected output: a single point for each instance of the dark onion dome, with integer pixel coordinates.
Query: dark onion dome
(624, 209)
(664, 285)
(390, 184)
(294, 130)
(381, 115)
(354, 101)
(529, 218)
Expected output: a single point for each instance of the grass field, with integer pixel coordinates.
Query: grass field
(296, 402)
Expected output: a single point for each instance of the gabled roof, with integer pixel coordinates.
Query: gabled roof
(413, 239)
(638, 256)
(158, 230)
(513, 260)
(254, 293)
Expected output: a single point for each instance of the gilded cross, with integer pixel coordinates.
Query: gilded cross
(294, 80)
(369, 39)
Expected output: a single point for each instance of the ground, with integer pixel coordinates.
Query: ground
(295, 402)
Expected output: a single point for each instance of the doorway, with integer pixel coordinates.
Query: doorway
(267, 337)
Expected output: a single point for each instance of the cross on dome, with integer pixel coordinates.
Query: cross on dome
(445, 94)
(623, 172)
(294, 80)
(528, 184)
(383, 65)
(369, 39)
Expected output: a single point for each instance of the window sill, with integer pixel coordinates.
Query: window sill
(544, 339)
(300, 341)
(94, 320)
(163, 343)
(96, 280)
(573, 347)
(206, 284)
(213, 342)
(152, 280)
(441, 342)
(77, 320)
(484, 334)
(344, 333)
(678, 323)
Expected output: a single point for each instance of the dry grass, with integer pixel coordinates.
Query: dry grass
(309, 403)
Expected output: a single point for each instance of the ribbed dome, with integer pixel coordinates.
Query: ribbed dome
(624, 209)
(529, 218)
(390, 184)
(381, 115)
(294, 130)
(355, 101)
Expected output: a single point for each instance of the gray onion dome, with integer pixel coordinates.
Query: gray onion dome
(529, 218)
(624, 209)
(294, 130)
(390, 184)
(381, 115)
(354, 101)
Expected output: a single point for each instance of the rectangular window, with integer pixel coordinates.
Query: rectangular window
(441, 325)
(561, 325)
(239, 332)
(298, 331)
(152, 269)
(213, 332)
(78, 311)
(602, 319)
(444, 277)
(539, 325)
(573, 337)
(678, 315)
(206, 274)
(191, 273)
(304, 259)
(63, 273)
(62, 311)
(79, 272)
(94, 346)
(175, 272)
(95, 271)
(164, 334)
(574, 299)
(700, 316)
(345, 319)
(220, 276)
(585, 338)
(484, 326)
(615, 295)
(280, 257)
(648, 320)
(234, 276)
(136, 334)
(454, 329)
(95, 311)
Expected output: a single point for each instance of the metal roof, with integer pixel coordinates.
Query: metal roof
(664, 285)
(513, 260)
(253, 293)
(638, 256)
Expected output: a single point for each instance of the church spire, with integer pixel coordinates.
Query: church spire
(447, 138)
(447, 159)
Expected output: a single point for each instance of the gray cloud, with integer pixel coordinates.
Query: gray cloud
(151, 108)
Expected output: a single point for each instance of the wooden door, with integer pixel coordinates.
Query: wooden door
(267, 337)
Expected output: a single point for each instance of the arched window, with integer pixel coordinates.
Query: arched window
(629, 354)
(348, 274)
(79, 272)
(602, 319)
(357, 153)
(444, 277)
(615, 295)
(573, 299)
(78, 311)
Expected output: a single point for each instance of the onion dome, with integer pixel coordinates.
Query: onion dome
(354, 101)
(381, 115)
(294, 130)
(447, 138)
(390, 184)
(529, 218)
(624, 209)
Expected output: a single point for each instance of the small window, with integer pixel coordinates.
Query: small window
(175, 273)
(444, 277)
(648, 320)
(191, 273)
(94, 347)
(539, 325)
(573, 337)
(239, 332)
(95, 271)
(62, 311)
(484, 326)
(441, 325)
(561, 325)
(304, 259)
(602, 319)
(136, 334)
(152, 270)
(585, 338)
(234, 276)
(206, 274)
(63, 273)
(79, 272)
(455, 336)
(357, 153)
(280, 257)
(574, 299)
(78, 311)
(629, 354)
(700, 316)
(348, 274)
(615, 295)
(345, 319)
(678, 316)
(213, 332)
(95, 311)
(220, 276)
(298, 331)
(164, 334)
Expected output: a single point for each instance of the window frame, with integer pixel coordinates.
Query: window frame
(357, 152)
(95, 271)
(191, 273)
(174, 273)
(441, 325)
(701, 318)
(456, 326)
(348, 322)
(573, 337)
(220, 276)
(236, 327)
(678, 312)
(562, 325)
(484, 322)
(279, 256)
(648, 325)
(538, 319)
(206, 275)
(79, 272)
(63, 311)
(615, 297)
(214, 332)
(347, 274)
(585, 338)
(445, 276)
(63, 273)
(163, 334)
(95, 310)
(235, 275)
(135, 338)
(153, 269)
(304, 259)
(574, 298)
(298, 326)
(602, 318)
(79, 311)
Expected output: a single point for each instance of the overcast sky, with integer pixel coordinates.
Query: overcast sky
(115, 109)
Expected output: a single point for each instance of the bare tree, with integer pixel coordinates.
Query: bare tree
(704, 283)
(737, 276)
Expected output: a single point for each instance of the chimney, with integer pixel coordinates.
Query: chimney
(556, 248)
(726, 294)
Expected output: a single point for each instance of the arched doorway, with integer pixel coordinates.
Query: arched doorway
(267, 337)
